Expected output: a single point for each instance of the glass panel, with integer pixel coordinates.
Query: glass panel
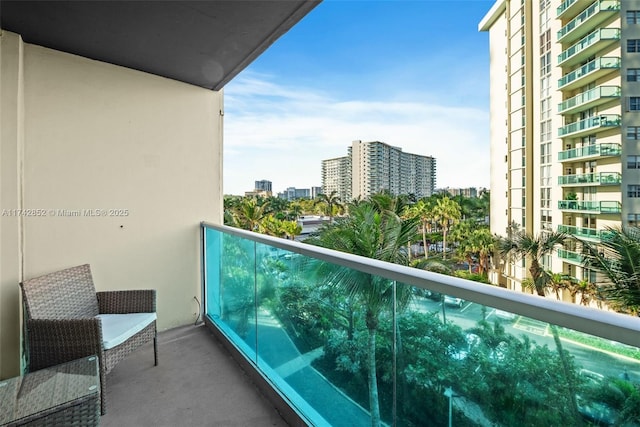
(436, 359)
(230, 261)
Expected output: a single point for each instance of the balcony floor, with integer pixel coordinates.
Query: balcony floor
(196, 383)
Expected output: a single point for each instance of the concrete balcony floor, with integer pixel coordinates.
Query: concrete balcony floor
(196, 383)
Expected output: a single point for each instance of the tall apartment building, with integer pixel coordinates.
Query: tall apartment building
(565, 121)
(315, 191)
(376, 166)
(371, 167)
(263, 185)
(336, 176)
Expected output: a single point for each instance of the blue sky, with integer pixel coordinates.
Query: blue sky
(412, 74)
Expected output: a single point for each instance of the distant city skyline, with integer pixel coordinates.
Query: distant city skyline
(337, 77)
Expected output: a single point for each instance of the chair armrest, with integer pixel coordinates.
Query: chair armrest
(132, 301)
(52, 342)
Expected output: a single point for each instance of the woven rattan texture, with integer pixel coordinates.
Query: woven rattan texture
(65, 395)
(60, 338)
(66, 294)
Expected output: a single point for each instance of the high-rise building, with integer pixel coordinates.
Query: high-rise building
(263, 185)
(565, 122)
(336, 176)
(376, 166)
(292, 193)
(315, 191)
(371, 167)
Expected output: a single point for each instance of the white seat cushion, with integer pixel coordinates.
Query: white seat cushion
(117, 328)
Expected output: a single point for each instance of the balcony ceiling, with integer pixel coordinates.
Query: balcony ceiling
(204, 43)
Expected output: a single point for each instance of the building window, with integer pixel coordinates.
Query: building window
(633, 45)
(633, 190)
(633, 162)
(633, 16)
(633, 74)
(633, 220)
(634, 103)
(633, 132)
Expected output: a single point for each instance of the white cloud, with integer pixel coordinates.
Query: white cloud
(282, 134)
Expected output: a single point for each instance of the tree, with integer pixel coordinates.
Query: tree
(330, 201)
(617, 258)
(291, 229)
(485, 243)
(423, 210)
(249, 214)
(558, 282)
(377, 234)
(446, 213)
(585, 289)
(522, 244)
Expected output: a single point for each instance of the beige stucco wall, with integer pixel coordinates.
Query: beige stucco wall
(94, 136)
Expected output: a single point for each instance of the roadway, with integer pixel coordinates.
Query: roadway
(467, 316)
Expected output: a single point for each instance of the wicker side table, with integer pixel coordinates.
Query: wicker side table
(66, 394)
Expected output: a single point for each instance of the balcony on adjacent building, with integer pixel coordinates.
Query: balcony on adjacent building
(588, 46)
(589, 99)
(568, 9)
(585, 233)
(589, 72)
(587, 20)
(590, 152)
(590, 206)
(570, 256)
(598, 178)
(590, 125)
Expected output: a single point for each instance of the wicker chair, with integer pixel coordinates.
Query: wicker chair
(67, 319)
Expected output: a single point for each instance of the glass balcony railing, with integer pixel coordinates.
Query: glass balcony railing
(570, 256)
(597, 207)
(591, 16)
(587, 44)
(591, 69)
(590, 124)
(350, 341)
(595, 150)
(566, 4)
(584, 232)
(599, 178)
(588, 99)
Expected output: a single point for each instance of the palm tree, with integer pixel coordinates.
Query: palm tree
(376, 234)
(522, 245)
(585, 289)
(559, 282)
(330, 201)
(447, 213)
(485, 243)
(291, 229)
(617, 258)
(249, 214)
(424, 212)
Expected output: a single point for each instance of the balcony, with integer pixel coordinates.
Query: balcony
(584, 232)
(595, 207)
(568, 9)
(285, 309)
(588, 46)
(590, 152)
(196, 383)
(586, 21)
(590, 125)
(589, 99)
(599, 178)
(570, 256)
(589, 72)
